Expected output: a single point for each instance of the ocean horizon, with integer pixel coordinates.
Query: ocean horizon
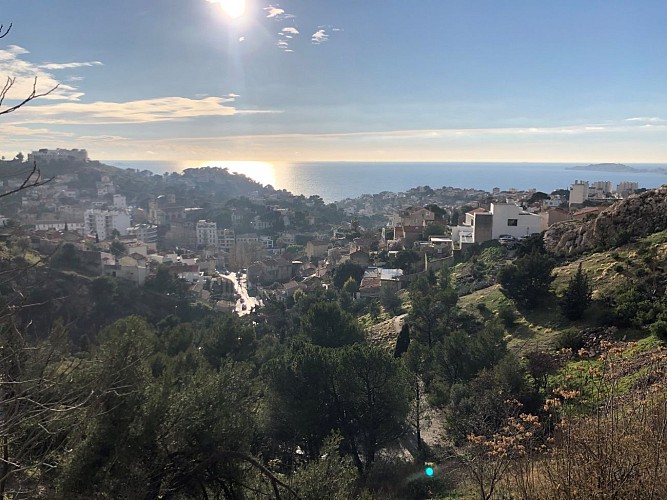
(335, 181)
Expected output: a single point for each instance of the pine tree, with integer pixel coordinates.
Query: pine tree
(577, 296)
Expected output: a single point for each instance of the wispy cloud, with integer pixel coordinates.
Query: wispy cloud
(25, 73)
(71, 65)
(164, 109)
(320, 36)
(285, 36)
(275, 12)
(645, 119)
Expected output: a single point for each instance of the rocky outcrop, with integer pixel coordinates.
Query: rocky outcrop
(638, 215)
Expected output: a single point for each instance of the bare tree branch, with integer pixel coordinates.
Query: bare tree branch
(2, 27)
(33, 179)
(33, 95)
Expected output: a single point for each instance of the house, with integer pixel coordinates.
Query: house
(502, 219)
(587, 213)
(413, 216)
(269, 271)
(317, 249)
(360, 258)
(552, 216)
(408, 234)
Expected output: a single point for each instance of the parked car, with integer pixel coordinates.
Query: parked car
(505, 239)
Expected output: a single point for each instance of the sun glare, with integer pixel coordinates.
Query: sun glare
(260, 171)
(233, 8)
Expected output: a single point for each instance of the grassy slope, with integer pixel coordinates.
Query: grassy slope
(539, 329)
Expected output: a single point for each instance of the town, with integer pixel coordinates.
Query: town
(234, 243)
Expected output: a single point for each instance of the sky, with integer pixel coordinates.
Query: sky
(343, 80)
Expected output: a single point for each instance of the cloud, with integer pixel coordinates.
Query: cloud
(320, 36)
(285, 36)
(71, 65)
(645, 119)
(27, 74)
(272, 11)
(275, 12)
(162, 109)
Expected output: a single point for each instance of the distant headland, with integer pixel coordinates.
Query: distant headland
(615, 167)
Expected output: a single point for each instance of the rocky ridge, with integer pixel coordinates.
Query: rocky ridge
(637, 216)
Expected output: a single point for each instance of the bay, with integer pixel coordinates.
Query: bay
(334, 181)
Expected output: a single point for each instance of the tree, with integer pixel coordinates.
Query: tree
(39, 398)
(577, 296)
(433, 305)
(402, 341)
(390, 300)
(327, 325)
(374, 400)
(527, 279)
(405, 259)
(346, 271)
(117, 248)
(33, 178)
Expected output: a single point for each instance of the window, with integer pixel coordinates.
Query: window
(512, 222)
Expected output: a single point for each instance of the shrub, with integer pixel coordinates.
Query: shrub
(659, 329)
(570, 339)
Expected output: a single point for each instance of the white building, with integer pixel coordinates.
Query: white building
(207, 234)
(58, 154)
(627, 187)
(144, 232)
(502, 219)
(59, 226)
(104, 222)
(511, 219)
(578, 192)
(119, 201)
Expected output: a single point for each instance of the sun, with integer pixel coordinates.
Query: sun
(233, 8)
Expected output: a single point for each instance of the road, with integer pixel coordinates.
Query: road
(241, 288)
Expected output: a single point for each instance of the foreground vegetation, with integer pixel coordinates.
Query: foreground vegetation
(508, 391)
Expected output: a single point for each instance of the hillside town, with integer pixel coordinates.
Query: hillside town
(235, 242)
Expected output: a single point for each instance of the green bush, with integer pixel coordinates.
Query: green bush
(659, 329)
(570, 339)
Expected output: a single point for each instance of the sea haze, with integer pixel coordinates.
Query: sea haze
(335, 181)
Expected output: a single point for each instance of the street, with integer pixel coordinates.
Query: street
(241, 288)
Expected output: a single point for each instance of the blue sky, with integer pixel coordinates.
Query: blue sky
(427, 80)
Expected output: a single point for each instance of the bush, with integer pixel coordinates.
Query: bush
(570, 339)
(507, 315)
(659, 329)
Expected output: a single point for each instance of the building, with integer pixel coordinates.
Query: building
(144, 232)
(207, 234)
(119, 201)
(59, 226)
(502, 219)
(413, 216)
(226, 239)
(317, 249)
(578, 192)
(625, 188)
(103, 223)
(58, 154)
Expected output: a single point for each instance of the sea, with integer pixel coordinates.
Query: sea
(335, 181)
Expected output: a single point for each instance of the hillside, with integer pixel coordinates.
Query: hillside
(637, 216)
